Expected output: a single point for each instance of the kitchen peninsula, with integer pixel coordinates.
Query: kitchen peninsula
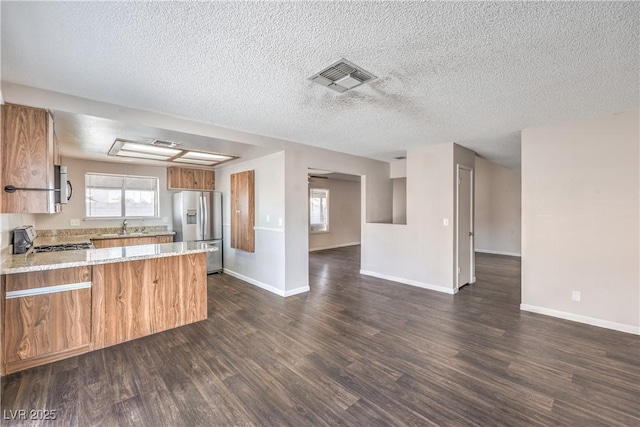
(60, 304)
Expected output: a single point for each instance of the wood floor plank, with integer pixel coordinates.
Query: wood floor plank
(354, 351)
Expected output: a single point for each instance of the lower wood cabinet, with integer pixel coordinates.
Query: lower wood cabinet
(47, 316)
(137, 298)
(131, 241)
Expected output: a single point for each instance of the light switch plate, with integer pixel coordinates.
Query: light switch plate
(74, 222)
(445, 222)
(576, 296)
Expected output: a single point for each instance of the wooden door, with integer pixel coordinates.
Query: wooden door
(27, 159)
(243, 211)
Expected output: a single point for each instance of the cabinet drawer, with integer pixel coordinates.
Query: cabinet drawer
(47, 278)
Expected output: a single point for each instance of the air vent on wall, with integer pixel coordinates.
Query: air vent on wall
(342, 76)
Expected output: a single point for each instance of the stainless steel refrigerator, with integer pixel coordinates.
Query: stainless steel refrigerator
(197, 216)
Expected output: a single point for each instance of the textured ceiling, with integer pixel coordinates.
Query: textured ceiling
(473, 73)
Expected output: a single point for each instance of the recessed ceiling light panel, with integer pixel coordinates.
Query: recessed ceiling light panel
(152, 149)
(165, 151)
(205, 156)
(137, 155)
(195, 161)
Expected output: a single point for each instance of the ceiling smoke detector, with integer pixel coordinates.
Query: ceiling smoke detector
(342, 76)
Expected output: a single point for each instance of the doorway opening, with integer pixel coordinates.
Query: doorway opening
(465, 254)
(335, 221)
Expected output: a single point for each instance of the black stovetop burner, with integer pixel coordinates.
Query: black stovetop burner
(64, 247)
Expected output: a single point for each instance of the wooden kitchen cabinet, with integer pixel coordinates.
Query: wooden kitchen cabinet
(138, 298)
(47, 316)
(190, 179)
(131, 241)
(27, 159)
(243, 211)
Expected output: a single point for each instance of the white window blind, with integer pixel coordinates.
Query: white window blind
(121, 196)
(318, 210)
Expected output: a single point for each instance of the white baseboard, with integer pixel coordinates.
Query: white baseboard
(489, 251)
(410, 282)
(343, 245)
(582, 319)
(266, 287)
(296, 291)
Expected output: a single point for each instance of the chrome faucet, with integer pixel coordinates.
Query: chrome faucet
(124, 227)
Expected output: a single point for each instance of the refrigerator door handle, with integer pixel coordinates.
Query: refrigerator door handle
(201, 218)
(205, 219)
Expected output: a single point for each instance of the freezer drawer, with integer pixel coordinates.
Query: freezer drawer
(214, 259)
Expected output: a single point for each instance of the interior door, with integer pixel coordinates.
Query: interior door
(464, 225)
(243, 211)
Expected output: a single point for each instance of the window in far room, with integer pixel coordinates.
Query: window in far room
(318, 210)
(121, 196)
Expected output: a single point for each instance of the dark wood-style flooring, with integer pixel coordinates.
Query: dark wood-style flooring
(355, 351)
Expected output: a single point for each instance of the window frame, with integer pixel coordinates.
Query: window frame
(123, 192)
(327, 221)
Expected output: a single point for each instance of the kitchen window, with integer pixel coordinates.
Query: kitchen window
(318, 210)
(121, 196)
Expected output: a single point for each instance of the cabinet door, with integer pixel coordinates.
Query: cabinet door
(48, 327)
(137, 298)
(47, 316)
(164, 239)
(190, 179)
(243, 211)
(131, 241)
(27, 159)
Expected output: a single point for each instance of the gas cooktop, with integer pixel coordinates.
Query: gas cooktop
(64, 247)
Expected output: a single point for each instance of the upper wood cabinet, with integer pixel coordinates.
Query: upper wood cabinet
(190, 179)
(243, 211)
(27, 159)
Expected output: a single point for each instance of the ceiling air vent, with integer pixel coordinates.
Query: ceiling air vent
(162, 143)
(342, 76)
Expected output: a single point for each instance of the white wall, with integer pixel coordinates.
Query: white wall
(266, 266)
(10, 221)
(399, 200)
(498, 209)
(580, 220)
(420, 253)
(344, 215)
(76, 207)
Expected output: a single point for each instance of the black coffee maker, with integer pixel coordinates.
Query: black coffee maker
(23, 238)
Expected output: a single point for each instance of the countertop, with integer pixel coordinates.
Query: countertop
(87, 238)
(52, 260)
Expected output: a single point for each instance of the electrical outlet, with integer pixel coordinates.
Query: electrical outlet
(280, 222)
(576, 296)
(74, 222)
(445, 222)
(268, 218)
(165, 220)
